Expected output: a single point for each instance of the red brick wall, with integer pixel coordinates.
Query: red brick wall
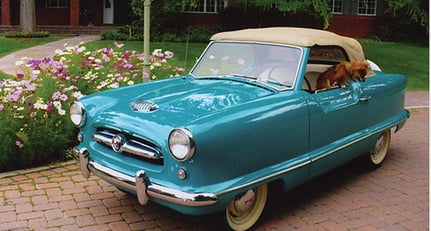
(5, 12)
(355, 26)
(74, 12)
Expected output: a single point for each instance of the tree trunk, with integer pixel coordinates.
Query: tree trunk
(27, 15)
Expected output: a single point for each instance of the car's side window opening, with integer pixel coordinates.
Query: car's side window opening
(313, 72)
(320, 59)
(327, 55)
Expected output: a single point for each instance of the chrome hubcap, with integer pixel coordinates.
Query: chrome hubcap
(244, 203)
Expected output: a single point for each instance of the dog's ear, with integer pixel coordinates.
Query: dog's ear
(346, 66)
(365, 65)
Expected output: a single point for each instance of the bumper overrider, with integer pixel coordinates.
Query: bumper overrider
(142, 185)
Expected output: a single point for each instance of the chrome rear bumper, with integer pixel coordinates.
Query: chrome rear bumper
(142, 185)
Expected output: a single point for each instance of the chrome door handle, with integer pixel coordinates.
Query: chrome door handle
(364, 99)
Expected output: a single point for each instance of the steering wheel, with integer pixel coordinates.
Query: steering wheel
(308, 84)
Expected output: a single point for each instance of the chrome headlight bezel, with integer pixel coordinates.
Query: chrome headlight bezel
(77, 114)
(181, 144)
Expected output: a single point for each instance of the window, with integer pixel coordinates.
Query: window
(327, 55)
(57, 3)
(205, 6)
(336, 6)
(367, 7)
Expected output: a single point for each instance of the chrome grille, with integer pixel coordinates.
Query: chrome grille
(133, 146)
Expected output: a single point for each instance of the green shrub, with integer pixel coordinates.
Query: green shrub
(198, 34)
(20, 34)
(117, 35)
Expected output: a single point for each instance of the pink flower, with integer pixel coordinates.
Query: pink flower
(17, 143)
(56, 95)
(226, 58)
(119, 45)
(1, 107)
(12, 97)
(180, 69)
(126, 55)
(32, 114)
(63, 97)
(34, 63)
(169, 54)
(30, 87)
(214, 71)
(50, 106)
(20, 75)
(241, 61)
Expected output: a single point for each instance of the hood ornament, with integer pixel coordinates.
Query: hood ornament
(141, 105)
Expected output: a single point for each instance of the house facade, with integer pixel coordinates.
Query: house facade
(356, 18)
(69, 16)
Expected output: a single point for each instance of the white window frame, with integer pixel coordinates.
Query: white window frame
(205, 4)
(57, 3)
(335, 4)
(370, 10)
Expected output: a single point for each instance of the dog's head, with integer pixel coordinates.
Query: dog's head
(359, 70)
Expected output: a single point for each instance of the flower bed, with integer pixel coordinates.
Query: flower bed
(34, 105)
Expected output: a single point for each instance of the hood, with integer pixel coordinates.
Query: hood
(177, 102)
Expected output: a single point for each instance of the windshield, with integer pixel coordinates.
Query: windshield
(275, 65)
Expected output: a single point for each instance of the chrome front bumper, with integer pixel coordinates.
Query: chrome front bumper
(142, 185)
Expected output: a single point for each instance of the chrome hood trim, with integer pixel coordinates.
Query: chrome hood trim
(141, 105)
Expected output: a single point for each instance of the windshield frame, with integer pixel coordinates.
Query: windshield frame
(256, 79)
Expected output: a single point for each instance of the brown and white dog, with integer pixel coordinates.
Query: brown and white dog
(341, 74)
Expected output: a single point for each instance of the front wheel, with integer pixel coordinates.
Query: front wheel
(378, 154)
(245, 209)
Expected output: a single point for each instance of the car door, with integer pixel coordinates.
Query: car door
(335, 115)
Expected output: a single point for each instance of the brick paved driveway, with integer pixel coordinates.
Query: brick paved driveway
(393, 197)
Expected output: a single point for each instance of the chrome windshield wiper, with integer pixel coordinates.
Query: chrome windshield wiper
(244, 76)
(278, 83)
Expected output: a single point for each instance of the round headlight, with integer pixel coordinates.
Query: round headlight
(181, 144)
(77, 114)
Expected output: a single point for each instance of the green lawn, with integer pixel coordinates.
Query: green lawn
(407, 59)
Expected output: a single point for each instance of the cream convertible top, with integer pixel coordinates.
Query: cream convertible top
(296, 36)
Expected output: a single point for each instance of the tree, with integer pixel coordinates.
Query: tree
(27, 15)
(319, 8)
(416, 11)
(163, 15)
(406, 20)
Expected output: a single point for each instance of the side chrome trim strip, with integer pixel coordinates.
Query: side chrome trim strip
(371, 133)
(276, 174)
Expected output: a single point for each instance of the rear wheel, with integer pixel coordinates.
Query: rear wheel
(245, 209)
(378, 154)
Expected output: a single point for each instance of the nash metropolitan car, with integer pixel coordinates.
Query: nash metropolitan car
(247, 115)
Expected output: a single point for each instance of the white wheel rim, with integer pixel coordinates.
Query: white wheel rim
(243, 217)
(378, 154)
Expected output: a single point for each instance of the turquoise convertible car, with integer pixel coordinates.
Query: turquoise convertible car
(246, 116)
